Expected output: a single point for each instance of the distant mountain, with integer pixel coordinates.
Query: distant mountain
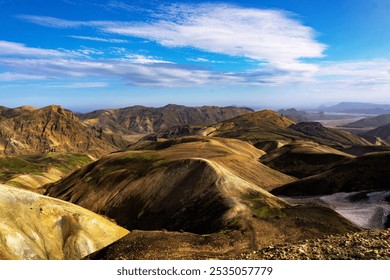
(294, 115)
(28, 130)
(370, 122)
(359, 108)
(263, 127)
(140, 119)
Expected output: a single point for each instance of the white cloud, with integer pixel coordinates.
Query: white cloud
(156, 74)
(263, 35)
(10, 77)
(141, 59)
(270, 36)
(199, 59)
(17, 49)
(98, 39)
(368, 74)
(53, 22)
(79, 85)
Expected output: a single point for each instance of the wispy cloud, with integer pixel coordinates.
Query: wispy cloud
(11, 49)
(98, 39)
(10, 77)
(79, 85)
(141, 59)
(264, 35)
(270, 36)
(53, 22)
(368, 74)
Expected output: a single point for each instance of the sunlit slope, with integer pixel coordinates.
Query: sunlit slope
(33, 226)
(32, 171)
(194, 184)
(140, 119)
(27, 130)
(269, 126)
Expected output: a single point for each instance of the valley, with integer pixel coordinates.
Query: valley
(181, 182)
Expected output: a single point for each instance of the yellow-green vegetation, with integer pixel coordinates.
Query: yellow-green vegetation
(31, 171)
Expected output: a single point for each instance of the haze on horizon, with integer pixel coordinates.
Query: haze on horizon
(87, 55)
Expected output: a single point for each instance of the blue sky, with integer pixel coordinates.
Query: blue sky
(94, 54)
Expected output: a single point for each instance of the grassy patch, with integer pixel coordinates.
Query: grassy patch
(38, 164)
(138, 156)
(262, 212)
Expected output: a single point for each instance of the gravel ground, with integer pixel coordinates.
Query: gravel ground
(367, 245)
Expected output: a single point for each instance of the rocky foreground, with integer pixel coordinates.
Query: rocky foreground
(365, 245)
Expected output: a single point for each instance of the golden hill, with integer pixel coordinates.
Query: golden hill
(27, 130)
(214, 188)
(268, 126)
(33, 226)
(174, 185)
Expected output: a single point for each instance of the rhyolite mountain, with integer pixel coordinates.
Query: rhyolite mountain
(267, 128)
(35, 227)
(140, 119)
(192, 197)
(28, 130)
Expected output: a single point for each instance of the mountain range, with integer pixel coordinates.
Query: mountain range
(358, 108)
(140, 119)
(190, 183)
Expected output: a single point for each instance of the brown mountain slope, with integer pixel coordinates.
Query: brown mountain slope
(301, 158)
(27, 130)
(33, 226)
(210, 186)
(139, 119)
(261, 125)
(370, 122)
(267, 126)
(328, 136)
(381, 132)
(368, 172)
(174, 185)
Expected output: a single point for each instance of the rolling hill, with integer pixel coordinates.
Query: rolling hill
(37, 227)
(302, 159)
(192, 197)
(33, 171)
(370, 122)
(368, 172)
(381, 132)
(263, 128)
(174, 184)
